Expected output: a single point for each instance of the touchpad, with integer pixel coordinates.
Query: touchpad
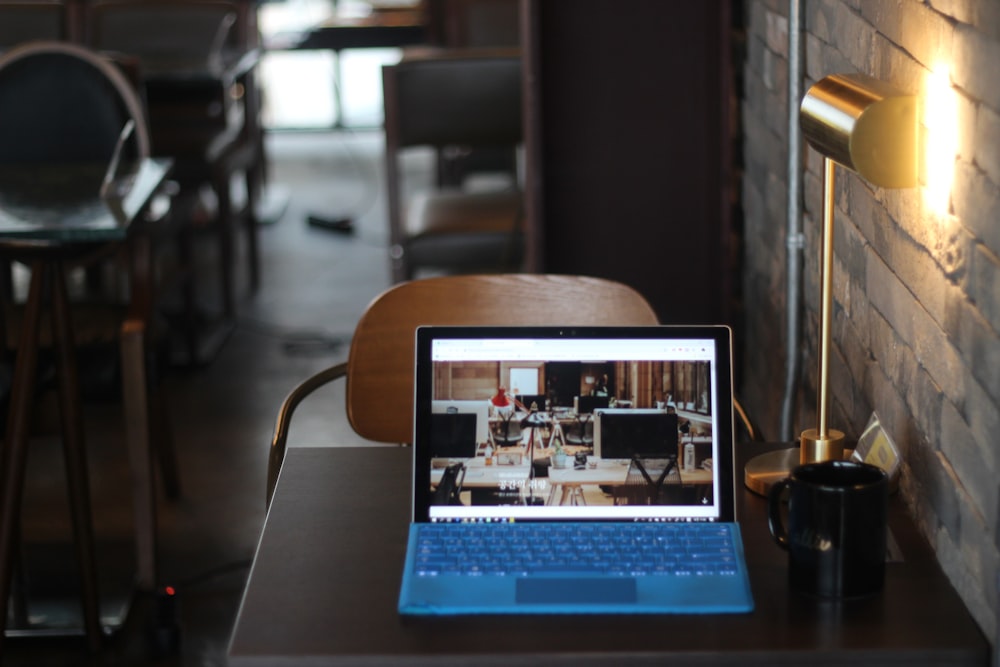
(581, 590)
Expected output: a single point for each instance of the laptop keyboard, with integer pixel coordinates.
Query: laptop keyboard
(626, 549)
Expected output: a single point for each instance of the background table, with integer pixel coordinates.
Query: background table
(325, 581)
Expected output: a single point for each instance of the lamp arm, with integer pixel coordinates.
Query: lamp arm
(826, 305)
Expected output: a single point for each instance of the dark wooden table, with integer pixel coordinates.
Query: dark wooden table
(325, 581)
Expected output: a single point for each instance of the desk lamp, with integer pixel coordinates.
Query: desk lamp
(869, 127)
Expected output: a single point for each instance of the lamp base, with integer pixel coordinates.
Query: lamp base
(815, 447)
(763, 471)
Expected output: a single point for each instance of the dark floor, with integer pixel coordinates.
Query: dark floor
(315, 285)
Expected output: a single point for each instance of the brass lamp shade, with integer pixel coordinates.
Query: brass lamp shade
(864, 124)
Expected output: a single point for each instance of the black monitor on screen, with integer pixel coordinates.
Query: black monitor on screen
(585, 405)
(627, 434)
(453, 435)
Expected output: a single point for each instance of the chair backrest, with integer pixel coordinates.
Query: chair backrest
(380, 364)
(63, 102)
(507, 430)
(167, 33)
(469, 98)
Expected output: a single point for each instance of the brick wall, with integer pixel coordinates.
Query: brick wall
(917, 310)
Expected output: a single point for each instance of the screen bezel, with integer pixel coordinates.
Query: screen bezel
(721, 335)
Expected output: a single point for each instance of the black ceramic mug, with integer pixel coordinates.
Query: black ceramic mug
(836, 531)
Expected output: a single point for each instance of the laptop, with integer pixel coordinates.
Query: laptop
(627, 521)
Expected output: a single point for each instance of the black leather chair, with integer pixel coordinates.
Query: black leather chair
(453, 101)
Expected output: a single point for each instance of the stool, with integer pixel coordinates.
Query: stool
(48, 279)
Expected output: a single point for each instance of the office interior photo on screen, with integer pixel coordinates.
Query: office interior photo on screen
(520, 437)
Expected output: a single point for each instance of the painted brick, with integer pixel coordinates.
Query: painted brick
(924, 33)
(983, 415)
(967, 120)
(983, 14)
(775, 73)
(954, 559)
(887, 15)
(943, 236)
(776, 32)
(974, 59)
(915, 327)
(922, 275)
(960, 10)
(987, 143)
(820, 16)
(937, 489)
(984, 290)
(976, 477)
(753, 66)
(849, 246)
(894, 357)
(977, 205)
(891, 408)
(815, 66)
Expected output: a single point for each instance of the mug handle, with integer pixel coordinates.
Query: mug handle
(774, 522)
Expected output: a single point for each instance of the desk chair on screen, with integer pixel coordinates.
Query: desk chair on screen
(379, 369)
(581, 431)
(63, 104)
(652, 482)
(506, 430)
(470, 100)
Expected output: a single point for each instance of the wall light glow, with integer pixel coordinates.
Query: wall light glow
(941, 122)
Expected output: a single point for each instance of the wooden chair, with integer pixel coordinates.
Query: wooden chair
(379, 369)
(470, 100)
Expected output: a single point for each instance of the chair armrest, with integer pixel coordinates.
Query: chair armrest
(283, 422)
(752, 432)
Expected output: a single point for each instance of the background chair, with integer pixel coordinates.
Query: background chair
(379, 369)
(456, 101)
(197, 60)
(64, 104)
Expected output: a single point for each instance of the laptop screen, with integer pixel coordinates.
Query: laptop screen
(620, 423)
